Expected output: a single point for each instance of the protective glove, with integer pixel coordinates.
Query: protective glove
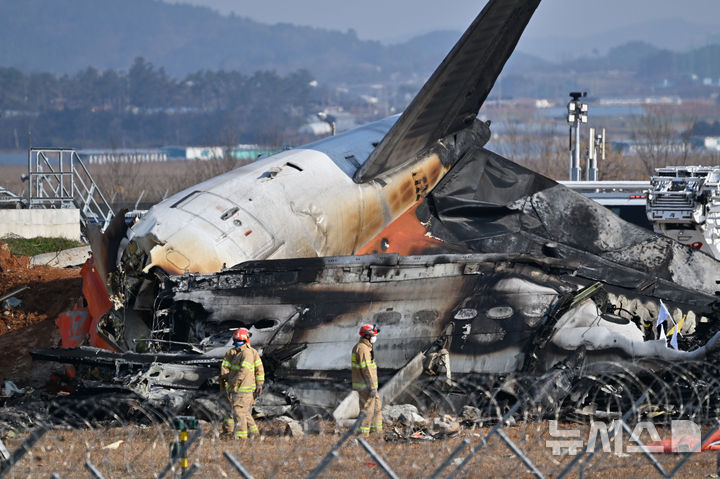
(258, 391)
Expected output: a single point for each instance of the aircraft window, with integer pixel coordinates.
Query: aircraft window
(466, 313)
(500, 312)
(387, 317)
(265, 324)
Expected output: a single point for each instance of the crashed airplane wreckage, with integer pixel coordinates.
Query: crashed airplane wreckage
(408, 223)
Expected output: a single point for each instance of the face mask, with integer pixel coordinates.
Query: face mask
(239, 343)
(373, 339)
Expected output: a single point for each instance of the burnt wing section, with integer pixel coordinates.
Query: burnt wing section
(452, 97)
(488, 204)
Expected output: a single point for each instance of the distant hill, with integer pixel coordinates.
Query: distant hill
(670, 34)
(67, 36)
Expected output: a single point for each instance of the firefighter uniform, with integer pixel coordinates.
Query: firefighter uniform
(364, 379)
(242, 373)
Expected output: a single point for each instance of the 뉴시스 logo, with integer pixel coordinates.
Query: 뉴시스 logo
(618, 437)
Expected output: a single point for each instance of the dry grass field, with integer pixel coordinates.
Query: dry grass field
(142, 451)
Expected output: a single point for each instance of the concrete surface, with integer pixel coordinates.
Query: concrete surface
(48, 223)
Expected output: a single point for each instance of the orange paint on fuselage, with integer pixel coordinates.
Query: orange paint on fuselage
(405, 236)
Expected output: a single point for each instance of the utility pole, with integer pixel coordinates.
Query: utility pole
(577, 114)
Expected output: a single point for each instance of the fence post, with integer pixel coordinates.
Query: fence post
(174, 459)
(191, 471)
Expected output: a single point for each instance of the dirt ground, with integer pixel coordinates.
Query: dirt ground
(31, 325)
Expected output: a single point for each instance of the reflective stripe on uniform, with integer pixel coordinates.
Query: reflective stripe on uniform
(364, 430)
(244, 389)
(357, 386)
(254, 428)
(248, 365)
(259, 378)
(229, 421)
(376, 426)
(241, 434)
(231, 366)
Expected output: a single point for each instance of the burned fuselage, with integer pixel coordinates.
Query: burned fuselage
(453, 245)
(496, 314)
(324, 199)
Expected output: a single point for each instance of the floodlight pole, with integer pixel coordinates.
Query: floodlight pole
(595, 142)
(577, 114)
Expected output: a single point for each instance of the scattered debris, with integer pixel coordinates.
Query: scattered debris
(395, 412)
(62, 259)
(114, 445)
(11, 302)
(9, 388)
(289, 426)
(421, 436)
(445, 426)
(471, 415)
(13, 293)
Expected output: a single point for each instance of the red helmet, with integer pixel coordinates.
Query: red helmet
(369, 330)
(242, 334)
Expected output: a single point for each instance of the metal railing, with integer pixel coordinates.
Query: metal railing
(58, 178)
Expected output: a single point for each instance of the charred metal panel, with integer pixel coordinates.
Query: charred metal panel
(489, 308)
(489, 204)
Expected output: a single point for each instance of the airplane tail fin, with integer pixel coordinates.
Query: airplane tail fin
(452, 97)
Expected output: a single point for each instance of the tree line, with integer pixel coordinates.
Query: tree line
(146, 107)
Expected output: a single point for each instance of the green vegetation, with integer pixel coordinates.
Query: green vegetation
(38, 245)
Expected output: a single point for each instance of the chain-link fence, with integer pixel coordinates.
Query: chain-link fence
(620, 420)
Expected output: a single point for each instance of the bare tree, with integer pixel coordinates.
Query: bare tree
(534, 144)
(662, 139)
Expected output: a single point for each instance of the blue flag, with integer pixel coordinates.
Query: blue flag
(663, 314)
(673, 340)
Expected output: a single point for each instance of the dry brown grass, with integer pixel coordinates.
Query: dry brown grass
(124, 183)
(144, 453)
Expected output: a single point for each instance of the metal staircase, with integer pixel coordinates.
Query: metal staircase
(58, 178)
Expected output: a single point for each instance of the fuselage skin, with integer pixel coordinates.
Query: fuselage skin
(298, 203)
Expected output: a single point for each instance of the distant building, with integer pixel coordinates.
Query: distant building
(238, 152)
(123, 155)
(712, 143)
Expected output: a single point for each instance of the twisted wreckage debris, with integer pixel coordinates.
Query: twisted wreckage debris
(408, 223)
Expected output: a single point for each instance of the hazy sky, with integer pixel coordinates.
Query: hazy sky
(389, 20)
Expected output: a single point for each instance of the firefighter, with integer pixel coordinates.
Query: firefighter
(364, 380)
(242, 377)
